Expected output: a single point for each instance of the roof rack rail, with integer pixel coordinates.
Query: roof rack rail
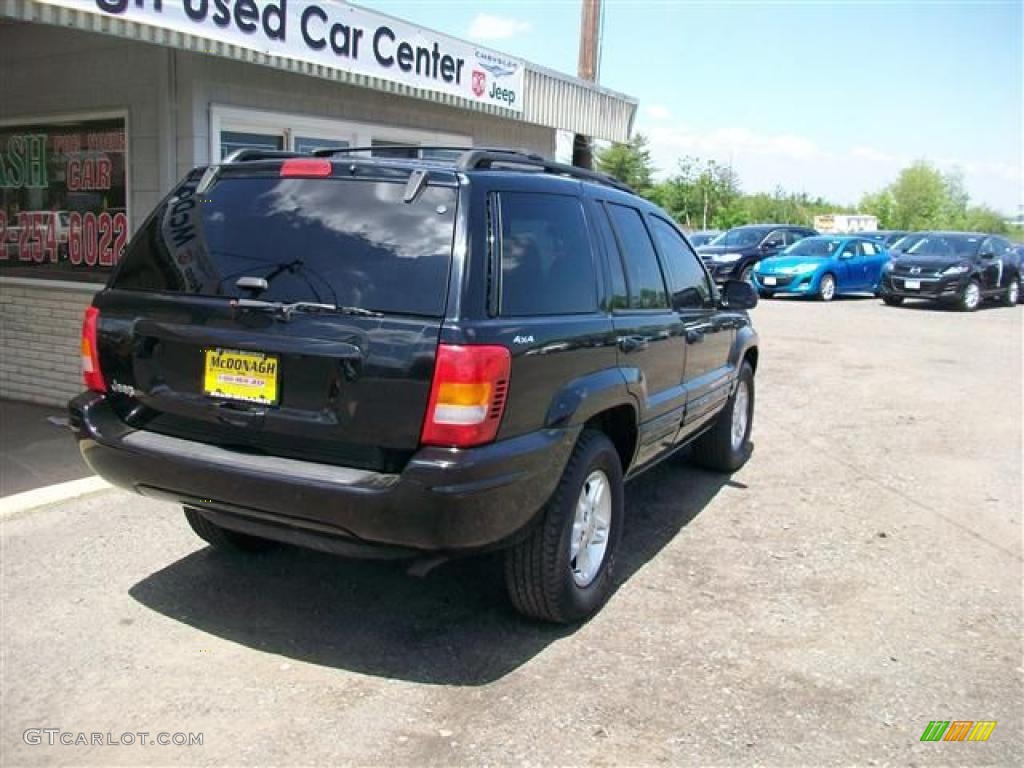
(485, 158)
(329, 151)
(470, 158)
(245, 155)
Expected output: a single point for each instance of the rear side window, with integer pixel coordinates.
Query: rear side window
(646, 284)
(333, 241)
(687, 281)
(547, 266)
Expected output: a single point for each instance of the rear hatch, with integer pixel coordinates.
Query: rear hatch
(292, 316)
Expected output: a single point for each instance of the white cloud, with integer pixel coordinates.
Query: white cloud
(764, 161)
(488, 27)
(658, 112)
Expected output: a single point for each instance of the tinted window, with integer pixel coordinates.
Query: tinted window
(546, 263)
(687, 281)
(851, 249)
(868, 248)
(620, 294)
(824, 247)
(646, 285)
(334, 241)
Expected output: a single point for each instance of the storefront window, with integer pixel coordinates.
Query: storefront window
(63, 199)
(232, 140)
(309, 143)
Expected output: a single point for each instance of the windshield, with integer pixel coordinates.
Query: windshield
(741, 237)
(963, 246)
(906, 242)
(335, 241)
(815, 247)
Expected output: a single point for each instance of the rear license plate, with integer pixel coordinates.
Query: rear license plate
(912, 285)
(769, 281)
(237, 375)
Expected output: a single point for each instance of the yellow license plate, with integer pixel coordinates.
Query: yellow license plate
(237, 375)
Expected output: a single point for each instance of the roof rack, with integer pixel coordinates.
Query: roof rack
(470, 158)
(244, 155)
(485, 158)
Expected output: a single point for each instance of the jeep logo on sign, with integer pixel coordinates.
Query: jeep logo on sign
(479, 82)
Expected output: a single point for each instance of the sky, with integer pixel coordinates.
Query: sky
(828, 98)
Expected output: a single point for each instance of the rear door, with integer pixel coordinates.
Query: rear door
(709, 334)
(650, 335)
(343, 388)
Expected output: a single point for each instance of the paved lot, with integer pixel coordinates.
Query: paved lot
(34, 448)
(860, 577)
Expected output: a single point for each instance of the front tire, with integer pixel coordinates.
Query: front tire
(1012, 295)
(827, 287)
(893, 301)
(970, 297)
(726, 446)
(563, 571)
(222, 538)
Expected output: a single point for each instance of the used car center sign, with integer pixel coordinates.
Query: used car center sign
(336, 35)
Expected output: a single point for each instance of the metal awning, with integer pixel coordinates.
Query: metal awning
(551, 99)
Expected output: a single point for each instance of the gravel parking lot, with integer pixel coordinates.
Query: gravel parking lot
(861, 576)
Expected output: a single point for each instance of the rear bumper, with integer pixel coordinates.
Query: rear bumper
(445, 500)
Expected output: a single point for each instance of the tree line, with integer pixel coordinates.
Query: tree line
(705, 194)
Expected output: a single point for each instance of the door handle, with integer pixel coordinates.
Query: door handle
(632, 343)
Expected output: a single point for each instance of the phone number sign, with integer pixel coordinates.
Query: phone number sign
(63, 201)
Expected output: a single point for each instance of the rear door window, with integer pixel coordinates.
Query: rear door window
(337, 241)
(547, 264)
(643, 274)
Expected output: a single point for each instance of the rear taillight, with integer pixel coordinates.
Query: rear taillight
(467, 397)
(91, 373)
(306, 168)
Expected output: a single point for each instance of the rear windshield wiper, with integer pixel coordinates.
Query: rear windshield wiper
(284, 310)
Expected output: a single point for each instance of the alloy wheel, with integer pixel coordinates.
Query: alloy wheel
(740, 415)
(588, 541)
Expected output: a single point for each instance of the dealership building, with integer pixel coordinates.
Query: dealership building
(105, 104)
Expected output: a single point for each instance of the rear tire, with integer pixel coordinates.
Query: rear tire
(767, 294)
(221, 538)
(543, 579)
(726, 446)
(893, 301)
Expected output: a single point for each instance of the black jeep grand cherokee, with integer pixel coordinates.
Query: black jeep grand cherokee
(402, 357)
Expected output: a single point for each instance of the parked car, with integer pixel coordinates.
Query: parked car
(733, 254)
(884, 236)
(703, 237)
(262, 360)
(961, 267)
(823, 266)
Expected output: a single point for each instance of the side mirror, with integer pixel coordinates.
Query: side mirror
(772, 244)
(987, 255)
(738, 294)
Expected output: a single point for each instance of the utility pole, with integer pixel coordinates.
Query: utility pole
(590, 29)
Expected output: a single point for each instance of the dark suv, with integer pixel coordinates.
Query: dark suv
(413, 358)
(962, 268)
(733, 254)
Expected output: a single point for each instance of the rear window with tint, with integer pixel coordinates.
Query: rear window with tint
(337, 241)
(547, 266)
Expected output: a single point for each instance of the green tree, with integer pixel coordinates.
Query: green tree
(981, 218)
(630, 163)
(920, 198)
(879, 204)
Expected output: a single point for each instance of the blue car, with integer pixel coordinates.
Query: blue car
(823, 267)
